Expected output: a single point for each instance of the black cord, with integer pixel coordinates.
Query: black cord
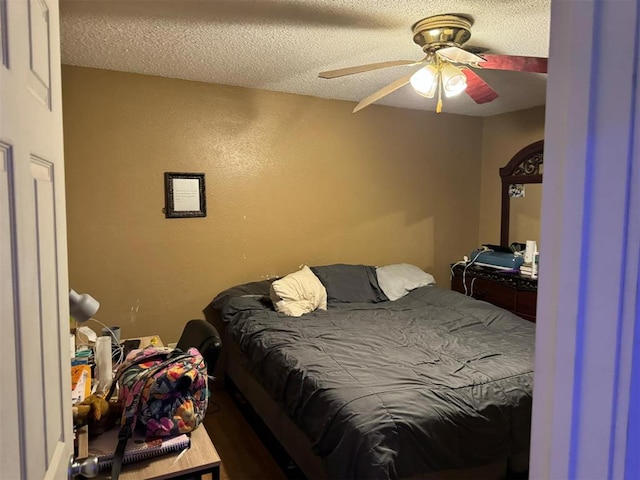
(464, 272)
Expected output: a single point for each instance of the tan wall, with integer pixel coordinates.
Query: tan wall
(289, 180)
(503, 136)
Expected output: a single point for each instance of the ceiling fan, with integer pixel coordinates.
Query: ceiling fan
(447, 66)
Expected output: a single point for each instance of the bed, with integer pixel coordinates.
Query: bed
(429, 384)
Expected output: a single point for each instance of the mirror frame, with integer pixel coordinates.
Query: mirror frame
(524, 167)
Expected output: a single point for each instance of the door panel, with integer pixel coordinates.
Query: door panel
(37, 436)
(10, 451)
(42, 172)
(39, 78)
(4, 55)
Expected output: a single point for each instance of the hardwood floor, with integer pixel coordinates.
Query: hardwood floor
(243, 455)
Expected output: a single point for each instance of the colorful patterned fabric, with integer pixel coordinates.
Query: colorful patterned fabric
(164, 389)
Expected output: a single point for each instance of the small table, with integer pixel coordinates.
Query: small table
(509, 290)
(200, 459)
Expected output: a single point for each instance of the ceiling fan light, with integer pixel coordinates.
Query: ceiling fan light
(455, 87)
(454, 82)
(425, 81)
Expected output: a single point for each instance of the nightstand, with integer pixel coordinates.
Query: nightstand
(509, 290)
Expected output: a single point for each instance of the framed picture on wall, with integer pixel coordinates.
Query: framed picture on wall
(184, 195)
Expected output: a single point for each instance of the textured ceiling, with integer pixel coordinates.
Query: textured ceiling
(282, 45)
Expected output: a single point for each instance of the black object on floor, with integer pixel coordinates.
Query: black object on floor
(517, 476)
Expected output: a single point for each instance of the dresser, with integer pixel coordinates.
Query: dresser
(508, 290)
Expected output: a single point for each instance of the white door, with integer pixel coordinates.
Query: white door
(35, 403)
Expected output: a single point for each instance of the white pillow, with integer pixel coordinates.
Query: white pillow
(399, 279)
(298, 293)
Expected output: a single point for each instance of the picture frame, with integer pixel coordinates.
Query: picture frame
(184, 195)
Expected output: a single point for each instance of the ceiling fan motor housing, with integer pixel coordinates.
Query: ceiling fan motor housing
(434, 33)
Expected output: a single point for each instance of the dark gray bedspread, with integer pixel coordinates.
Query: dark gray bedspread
(432, 381)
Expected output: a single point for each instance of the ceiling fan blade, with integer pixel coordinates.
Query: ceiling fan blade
(477, 88)
(458, 55)
(515, 63)
(392, 87)
(368, 67)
